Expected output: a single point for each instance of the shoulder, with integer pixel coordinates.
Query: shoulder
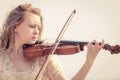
(2, 57)
(53, 63)
(54, 66)
(55, 69)
(1, 54)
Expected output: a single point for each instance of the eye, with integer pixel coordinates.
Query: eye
(32, 26)
(39, 28)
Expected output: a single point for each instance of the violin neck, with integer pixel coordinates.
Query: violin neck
(74, 42)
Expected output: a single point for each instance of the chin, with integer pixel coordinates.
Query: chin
(30, 42)
(33, 42)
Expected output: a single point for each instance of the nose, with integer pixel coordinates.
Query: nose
(36, 31)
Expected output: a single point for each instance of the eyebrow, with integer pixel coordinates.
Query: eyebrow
(37, 25)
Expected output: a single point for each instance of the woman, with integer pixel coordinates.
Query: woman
(24, 25)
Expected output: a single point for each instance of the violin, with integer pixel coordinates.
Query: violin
(60, 47)
(65, 47)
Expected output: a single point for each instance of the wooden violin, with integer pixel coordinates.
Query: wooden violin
(60, 47)
(65, 47)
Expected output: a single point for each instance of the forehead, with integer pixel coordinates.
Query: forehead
(31, 18)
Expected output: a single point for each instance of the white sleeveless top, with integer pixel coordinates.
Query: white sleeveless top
(7, 70)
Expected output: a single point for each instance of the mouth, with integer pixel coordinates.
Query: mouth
(34, 38)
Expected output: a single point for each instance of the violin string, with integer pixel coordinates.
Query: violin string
(42, 69)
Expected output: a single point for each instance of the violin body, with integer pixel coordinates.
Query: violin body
(40, 50)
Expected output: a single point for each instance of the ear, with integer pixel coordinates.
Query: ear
(15, 29)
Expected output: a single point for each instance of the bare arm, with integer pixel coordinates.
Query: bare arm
(57, 74)
(92, 52)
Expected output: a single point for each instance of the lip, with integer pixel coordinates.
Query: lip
(34, 38)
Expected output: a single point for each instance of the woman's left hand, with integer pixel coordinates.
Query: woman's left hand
(93, 50)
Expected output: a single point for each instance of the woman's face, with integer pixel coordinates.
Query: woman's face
(28, 31)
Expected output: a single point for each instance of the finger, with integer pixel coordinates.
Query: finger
(103, 43)
(89, 44)
(96, 43)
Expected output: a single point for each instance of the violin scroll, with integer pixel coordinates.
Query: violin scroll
(113, 49)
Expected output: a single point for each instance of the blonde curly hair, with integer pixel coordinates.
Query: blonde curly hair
(16, 17)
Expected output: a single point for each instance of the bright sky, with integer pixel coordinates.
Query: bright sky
(95, 19)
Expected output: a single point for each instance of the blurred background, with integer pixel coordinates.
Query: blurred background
(95, 19)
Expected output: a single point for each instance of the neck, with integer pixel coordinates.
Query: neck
(16, 47)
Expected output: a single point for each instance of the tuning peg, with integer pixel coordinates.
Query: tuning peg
(116, 49)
